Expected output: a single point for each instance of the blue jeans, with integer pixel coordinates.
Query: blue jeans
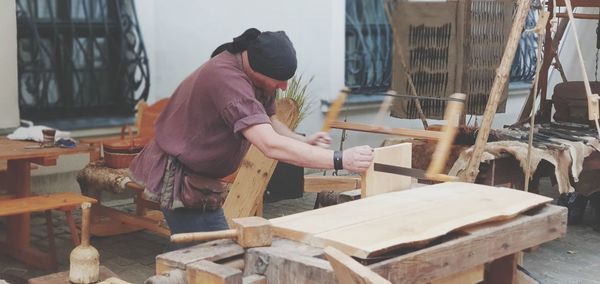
(187, 220)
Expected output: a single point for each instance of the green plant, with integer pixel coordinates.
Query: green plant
(297, 91)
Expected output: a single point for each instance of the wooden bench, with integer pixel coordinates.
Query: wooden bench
(64, 201)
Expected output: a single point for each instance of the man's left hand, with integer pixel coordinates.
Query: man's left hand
(320, 139)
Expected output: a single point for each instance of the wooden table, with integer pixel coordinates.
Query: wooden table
(460, 255)
(17, 180)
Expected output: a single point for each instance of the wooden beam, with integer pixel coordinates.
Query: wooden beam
(498, 87)
(349, 271)
(386, 130)
(579, 16)
(579, 3)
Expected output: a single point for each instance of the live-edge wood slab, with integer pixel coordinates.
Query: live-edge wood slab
(410, 218)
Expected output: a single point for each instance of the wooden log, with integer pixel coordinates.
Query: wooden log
(470, 173)
(173, 276)
(280, 265)
(208, 272)
(254, 279)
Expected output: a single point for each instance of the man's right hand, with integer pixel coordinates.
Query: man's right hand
(358, 159)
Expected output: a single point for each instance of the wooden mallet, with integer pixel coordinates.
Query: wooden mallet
(84, 259)
(248, 232)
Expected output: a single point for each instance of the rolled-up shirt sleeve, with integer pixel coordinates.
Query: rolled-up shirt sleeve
(243, 113)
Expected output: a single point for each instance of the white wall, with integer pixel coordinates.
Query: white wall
(9, 99)
(180, 35)
(586, 32)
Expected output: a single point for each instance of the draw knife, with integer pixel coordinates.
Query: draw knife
(416, 173)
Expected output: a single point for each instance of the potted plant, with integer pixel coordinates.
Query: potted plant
(287, 180)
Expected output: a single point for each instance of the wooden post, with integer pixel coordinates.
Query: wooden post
(502, 73)
(502, 270)
(549, 53)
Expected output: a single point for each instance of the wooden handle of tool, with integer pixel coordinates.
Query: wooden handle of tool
(334, 110)
(203, 236)
(449, 130)
(441, 177)
(85, 223)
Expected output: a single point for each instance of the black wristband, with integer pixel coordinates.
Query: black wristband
(337, 160)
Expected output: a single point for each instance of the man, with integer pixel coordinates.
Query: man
(212, 118)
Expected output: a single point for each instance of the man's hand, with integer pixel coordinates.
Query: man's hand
(321, 139)
(358, 159)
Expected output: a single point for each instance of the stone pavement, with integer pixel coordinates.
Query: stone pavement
(573, 259)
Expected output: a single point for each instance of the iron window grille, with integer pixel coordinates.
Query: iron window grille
(369, 43)
(79, 58)
(368, 47)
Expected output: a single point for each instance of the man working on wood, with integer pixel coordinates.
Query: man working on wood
(209, 123)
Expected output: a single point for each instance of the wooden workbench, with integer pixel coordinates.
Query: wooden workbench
(493, 244)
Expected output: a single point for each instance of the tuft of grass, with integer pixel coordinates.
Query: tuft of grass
(297, 91)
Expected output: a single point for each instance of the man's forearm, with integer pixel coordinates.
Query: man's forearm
(282, 129)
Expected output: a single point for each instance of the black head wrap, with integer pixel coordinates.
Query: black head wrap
(269, 53)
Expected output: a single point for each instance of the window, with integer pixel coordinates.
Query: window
(368, 47)
(79, 58)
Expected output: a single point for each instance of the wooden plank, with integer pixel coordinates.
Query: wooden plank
(481, 244)
(15, 149)
(135, 220)
(255, 172)
(63, 277)
(331, 183)
(211, 251)
(413, 217)
(374, 183)
(42, 203)
(347, 270)
(386, 130)
(208, 272)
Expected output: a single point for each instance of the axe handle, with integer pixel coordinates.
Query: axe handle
(204, 236)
